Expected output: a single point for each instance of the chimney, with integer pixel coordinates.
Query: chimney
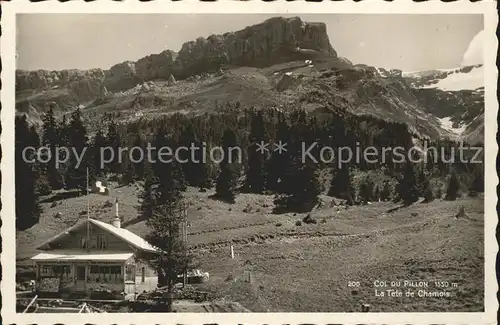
(116, 220)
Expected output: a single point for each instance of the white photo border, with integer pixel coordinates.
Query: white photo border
(8, 51)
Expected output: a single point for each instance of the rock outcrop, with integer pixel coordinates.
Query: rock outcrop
(275, 40)
(156, 66)
(42, 79)
(122, 76)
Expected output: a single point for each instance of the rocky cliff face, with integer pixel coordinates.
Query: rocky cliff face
(42, 79)
(275, 40)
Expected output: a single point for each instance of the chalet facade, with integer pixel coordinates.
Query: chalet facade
(93, 257)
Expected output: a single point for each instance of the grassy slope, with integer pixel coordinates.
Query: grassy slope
(310, 88)
(306, 268)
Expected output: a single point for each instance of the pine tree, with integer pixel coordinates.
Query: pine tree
(138, 161)
(147, 196)
(50, 139)
(427, 192)
(385, 194)
(27, 206)
(453, 188)
(308, 189)
(98, 143)
(165, 225)
(114, 142)
(366, 190)
(376, 194)
(166, 235)
(280, 167)
(162, 207)
(477, 185)
(407, 189)
(225, 188)
(439, 192)
(76, 174)
(171, 180)
(63, 132)
(341, 185)
(422, 181)
(128, 174)
(255, 175)
(42, 185)
(195, 168)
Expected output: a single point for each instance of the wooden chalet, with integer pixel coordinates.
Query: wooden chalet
(92, 257)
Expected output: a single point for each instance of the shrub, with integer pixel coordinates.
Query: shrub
(452, 191)
(309, 220)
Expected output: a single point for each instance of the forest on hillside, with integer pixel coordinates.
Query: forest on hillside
(296, 184)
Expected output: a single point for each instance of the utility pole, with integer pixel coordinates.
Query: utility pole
(87, 246)
(184, 234)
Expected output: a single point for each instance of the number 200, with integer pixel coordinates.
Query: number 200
(353, 283)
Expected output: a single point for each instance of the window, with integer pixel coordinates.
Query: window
(101, 242)
(111, 274)
(55, 271)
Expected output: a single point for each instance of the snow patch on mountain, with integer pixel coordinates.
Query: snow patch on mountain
(459, 80)
(462, 78)
(447, 125)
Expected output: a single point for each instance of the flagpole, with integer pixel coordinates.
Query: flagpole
(88, 212)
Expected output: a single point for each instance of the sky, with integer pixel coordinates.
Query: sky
(83, 41)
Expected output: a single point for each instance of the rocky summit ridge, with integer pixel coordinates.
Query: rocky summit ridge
(281, 62)
(272, 41)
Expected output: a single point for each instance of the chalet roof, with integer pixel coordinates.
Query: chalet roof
(126, 235)
(122, 233)
(58, 255)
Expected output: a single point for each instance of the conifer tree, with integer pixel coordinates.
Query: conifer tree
(195, 168)
(166, 235)
(76, 174)
(422, 181)
(477, 185)
(308, 188)
(50, 139)
(256, 174)
(425, 187)
(439, 192)
(27, 207)
(138, 162)
(427, 192)
(128, 173)
(453, 188)
(162, 207)
(147, 196)
(376, 194)
(341, 185)
(279, 166)
(366, 190)
(407, 189)
(171, 180)
(225, 188)
(98, 143)
(385, 193)
(114, 142)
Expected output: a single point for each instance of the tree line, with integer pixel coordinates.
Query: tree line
(295, 184)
